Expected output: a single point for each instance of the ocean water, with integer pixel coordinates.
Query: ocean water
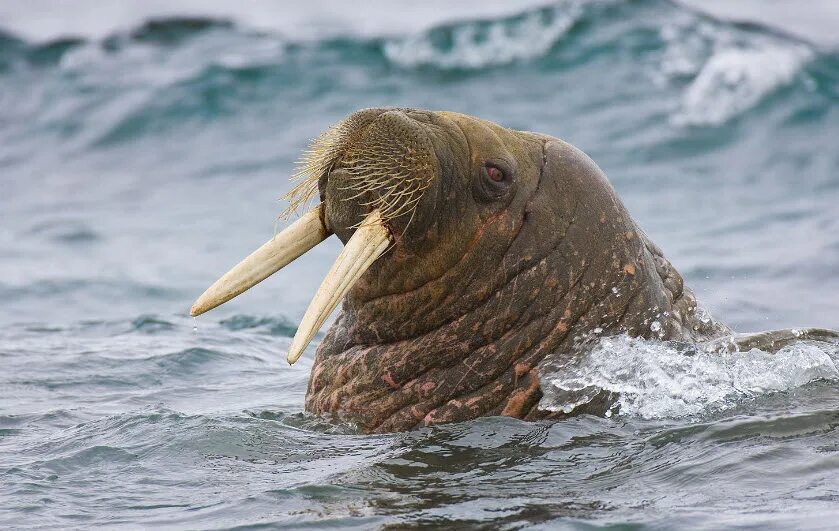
(143, 151)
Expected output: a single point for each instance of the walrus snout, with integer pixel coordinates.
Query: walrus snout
(372, 171)
(386, 163)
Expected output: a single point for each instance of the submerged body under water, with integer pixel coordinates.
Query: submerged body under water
(137, 166)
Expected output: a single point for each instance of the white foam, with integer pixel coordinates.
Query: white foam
(481, 44)
(728, 70)
(662, 380)
(688, 43)
(735, 79)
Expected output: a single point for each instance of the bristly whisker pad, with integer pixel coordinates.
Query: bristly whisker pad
(387, 163)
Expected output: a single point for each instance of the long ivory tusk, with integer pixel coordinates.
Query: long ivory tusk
(369, 241)
(275, 254)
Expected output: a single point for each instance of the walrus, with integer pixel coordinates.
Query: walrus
(472, 253)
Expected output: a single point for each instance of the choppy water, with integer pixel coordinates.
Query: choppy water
(138, 164)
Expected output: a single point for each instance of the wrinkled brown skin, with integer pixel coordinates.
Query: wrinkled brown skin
(453, 322)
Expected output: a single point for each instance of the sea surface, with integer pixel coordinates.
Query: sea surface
(143, 150)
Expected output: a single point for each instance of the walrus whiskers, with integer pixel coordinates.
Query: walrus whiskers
(377, 163)
(317, 160)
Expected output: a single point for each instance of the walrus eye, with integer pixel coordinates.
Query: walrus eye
(495, 174)
(494, 180)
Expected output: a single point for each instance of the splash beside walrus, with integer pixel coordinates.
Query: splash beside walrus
(472, 254)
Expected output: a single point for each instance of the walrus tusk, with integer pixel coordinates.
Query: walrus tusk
(369, 241)
(275, 254)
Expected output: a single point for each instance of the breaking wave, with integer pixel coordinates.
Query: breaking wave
(712, 71)
(653, 380)
(728, 69)
(481, 44)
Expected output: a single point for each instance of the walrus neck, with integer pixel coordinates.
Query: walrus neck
(485, 361)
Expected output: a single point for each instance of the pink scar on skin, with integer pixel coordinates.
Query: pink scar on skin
(434, 417)
(475, 400)
(316, 377)
(388, 379)
(417, 412)
(521, 397)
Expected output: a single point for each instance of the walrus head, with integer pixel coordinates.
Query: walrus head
(472, 252)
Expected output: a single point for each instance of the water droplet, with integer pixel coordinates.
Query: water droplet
(655, 326)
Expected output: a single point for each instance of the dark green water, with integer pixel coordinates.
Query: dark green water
(136, 168)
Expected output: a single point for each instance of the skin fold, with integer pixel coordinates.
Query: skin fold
(514, 249)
